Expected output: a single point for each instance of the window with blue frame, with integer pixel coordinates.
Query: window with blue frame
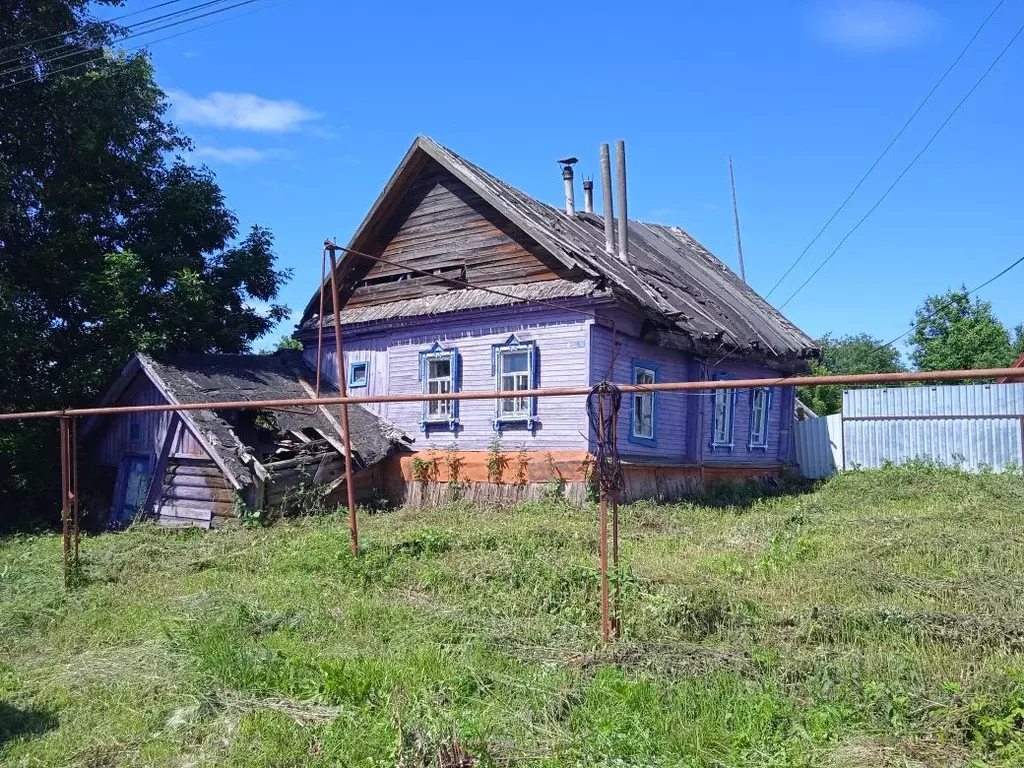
(358, 374)
(439, 375)
(514, 364)
(642, 415)
(724, 405)
(760, 409)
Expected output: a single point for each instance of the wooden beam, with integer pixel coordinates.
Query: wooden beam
(156, 483)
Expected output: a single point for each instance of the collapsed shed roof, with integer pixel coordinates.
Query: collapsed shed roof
(201, 378)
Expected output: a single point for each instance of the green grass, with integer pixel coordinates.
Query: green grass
(876, 621)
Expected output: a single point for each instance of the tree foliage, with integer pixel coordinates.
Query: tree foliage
(859, 353)
(109, 241)
(954, 332)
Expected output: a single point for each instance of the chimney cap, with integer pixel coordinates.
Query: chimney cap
(569, 161)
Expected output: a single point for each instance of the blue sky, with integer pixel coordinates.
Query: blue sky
(303, 109)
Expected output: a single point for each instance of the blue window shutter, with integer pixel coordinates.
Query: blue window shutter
(496, 373)
(456, 386)
(731, 424)
(732, 418)
(423, 390)
(750, 420)
(532, 364)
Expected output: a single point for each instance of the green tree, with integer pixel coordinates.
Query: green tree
(284, 343)
(952, 332)
(858, 353)
(109, 240)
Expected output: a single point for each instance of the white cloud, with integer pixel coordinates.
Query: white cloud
(874, 25)
(233, 155)
(240, 155)
(245, 111)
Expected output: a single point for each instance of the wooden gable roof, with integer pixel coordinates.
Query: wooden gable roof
(692, 298)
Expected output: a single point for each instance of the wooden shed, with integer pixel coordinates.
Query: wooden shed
(199, 467)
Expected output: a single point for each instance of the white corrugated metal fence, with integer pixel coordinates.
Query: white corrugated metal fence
(973, 426)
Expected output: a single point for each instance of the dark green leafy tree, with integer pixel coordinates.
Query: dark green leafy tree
(109, 241)
(954, 332)
(283, 344)
(859, 353)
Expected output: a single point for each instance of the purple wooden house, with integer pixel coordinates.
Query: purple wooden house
(573, 314)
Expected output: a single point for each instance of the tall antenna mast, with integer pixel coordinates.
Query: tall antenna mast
(736, 218)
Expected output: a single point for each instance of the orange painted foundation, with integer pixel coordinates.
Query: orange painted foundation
(429, 477)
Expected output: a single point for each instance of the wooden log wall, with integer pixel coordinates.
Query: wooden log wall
(195, 492)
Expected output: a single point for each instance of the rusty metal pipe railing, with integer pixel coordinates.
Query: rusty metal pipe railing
(320, 320)
(353, 525)
(859, 379)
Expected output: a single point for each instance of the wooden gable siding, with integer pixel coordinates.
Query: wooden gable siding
(444, 227)
(115, 442)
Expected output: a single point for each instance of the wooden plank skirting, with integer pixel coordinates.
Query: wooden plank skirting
(425, 478)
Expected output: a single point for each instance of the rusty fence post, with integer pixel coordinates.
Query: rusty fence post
(617, 604)
(75, 505)
(605, 620)
(353, 524)
(65, 494)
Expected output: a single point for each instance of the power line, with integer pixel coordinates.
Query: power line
(102, 55)
(134, 34)
(910, 165)
(969, 293)
(44, 56)
(38, 40)
(888, 147)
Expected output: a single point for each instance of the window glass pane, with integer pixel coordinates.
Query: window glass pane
(439, 382)
(723, 415)
(759, 417)
(643, 376)
(439, 368)
(643, 415)
(513, 362)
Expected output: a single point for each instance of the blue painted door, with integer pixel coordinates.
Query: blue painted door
(137, 475)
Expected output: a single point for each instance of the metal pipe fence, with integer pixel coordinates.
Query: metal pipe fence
(610, 609)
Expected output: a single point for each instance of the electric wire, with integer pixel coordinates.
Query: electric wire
(969, 293)
(104, 55)
(910, 165)
(42, 57)
(36, 65)
(888, 147)
(29, 43)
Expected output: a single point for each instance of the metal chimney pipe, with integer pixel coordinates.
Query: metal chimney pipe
(620, 163)
(588, 195)
(606, 200)
(570, 194)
